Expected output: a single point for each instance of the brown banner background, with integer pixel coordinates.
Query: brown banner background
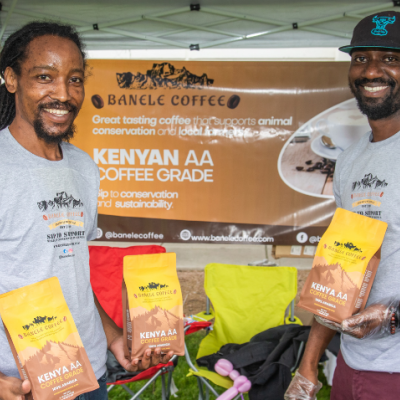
(236, 194)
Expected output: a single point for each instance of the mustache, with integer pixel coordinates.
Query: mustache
(58, 105)
(363, 81)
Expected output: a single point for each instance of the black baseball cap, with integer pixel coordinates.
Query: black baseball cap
(377, 30)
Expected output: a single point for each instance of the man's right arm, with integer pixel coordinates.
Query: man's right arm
(305, 385)
(318, 340)
(13, 388)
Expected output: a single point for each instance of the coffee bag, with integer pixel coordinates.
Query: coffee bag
(344, 266)
(152, 301)
(45, 342)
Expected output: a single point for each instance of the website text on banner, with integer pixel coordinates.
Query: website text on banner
(216, 152)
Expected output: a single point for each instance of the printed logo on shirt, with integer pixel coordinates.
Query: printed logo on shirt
(367, 195)
(369, 182)
(60, 214)
(62, 200)
(63, 214)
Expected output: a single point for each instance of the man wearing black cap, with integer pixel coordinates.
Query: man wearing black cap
(368, 365)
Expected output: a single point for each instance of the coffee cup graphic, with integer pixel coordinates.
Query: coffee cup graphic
(344, 127)
(307, 160)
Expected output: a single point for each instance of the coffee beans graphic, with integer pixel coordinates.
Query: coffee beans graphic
(97, 101)
(233, 101)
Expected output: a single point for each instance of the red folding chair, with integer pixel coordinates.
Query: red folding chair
(106, 278)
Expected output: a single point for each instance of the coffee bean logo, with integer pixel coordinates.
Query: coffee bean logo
(97, 101)
(233, 101)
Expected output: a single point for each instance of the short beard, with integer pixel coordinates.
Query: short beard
(43, 134)
(376, 109)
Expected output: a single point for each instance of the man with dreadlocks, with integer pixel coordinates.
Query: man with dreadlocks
(48, 195)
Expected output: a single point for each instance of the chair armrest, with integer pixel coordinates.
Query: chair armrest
(196, 326)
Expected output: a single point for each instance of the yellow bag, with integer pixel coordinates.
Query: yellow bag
(152, 301)
(45, 343)
(344, 266)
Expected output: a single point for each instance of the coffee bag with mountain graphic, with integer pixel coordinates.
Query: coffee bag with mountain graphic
(153, 309)
(344, 266)
(45, 342)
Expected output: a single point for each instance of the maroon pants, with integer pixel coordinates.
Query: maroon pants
(349, 384)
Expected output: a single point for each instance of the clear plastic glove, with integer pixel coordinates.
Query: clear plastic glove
(302, 389)
(373, 322)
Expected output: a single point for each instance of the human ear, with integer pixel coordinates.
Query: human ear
(10, 79)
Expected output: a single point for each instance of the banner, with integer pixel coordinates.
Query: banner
(216, 152)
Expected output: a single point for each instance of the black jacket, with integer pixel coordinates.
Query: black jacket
(267, 359)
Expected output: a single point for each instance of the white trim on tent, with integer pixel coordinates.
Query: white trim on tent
(286, 54)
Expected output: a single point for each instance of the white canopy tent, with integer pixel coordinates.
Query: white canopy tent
(222, 30)
(228, 29)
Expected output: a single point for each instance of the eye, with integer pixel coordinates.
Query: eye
(43, 77)
(360, 59)
(76, 79)
(391, 58)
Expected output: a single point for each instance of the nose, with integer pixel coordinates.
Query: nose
(373, 69)
(61, 91)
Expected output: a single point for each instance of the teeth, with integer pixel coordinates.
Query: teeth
(374, 89)
(58, 112)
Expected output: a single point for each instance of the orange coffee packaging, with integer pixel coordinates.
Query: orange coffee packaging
(344, 266)
(45, 342)
(152, 301)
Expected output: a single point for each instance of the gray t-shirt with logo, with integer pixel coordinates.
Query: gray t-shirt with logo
(48, 212)
(367, 181)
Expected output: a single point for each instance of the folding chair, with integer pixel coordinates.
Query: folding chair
(246, 300)
(106, 270)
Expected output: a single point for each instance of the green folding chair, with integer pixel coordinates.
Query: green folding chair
(246, 300)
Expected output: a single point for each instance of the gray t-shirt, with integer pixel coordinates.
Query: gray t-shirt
(370, 171)
(48, 212)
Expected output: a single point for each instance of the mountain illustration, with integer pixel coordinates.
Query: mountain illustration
(163, 75)
(369, 182)
(333, 276)
(53, 355)
(157, 319)
(62, 200)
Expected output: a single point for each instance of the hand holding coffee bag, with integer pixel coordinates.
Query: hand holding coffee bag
(152, 301)
(344, 266)
(45, 342)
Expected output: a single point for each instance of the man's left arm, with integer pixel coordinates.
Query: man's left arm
(115, 343)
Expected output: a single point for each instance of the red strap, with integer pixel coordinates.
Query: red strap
(146, 374)
(197, 326)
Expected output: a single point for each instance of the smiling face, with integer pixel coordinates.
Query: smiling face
(374, 79)
(49, 91)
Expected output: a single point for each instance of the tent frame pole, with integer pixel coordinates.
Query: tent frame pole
(133, 19)
(225, 21)
(10, 11)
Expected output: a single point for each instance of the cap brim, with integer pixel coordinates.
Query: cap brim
(348, 49)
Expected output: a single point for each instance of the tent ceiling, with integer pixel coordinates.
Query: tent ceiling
(160, 24)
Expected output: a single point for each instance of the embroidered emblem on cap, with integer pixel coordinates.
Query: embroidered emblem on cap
(381, 23)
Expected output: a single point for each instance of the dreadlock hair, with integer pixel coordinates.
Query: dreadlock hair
(14, 52)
